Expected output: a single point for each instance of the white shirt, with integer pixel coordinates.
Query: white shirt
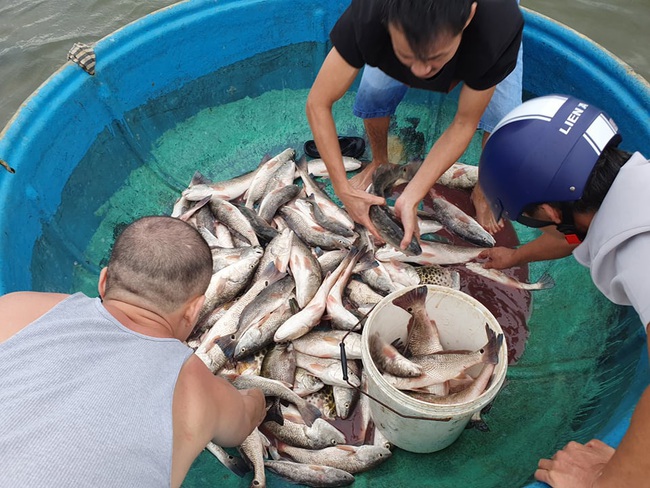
(617, 246)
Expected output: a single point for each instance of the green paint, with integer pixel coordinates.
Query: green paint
(551, 395)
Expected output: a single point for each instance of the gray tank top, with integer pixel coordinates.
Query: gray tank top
(84, 401)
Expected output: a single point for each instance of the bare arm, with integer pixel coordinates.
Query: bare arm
(545, 247)
(445, 152)
(19, 309)
(333, 80)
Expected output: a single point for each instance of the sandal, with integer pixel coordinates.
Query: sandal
(352, 147)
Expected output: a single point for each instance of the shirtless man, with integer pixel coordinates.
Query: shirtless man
(431, 45)
(103, 391)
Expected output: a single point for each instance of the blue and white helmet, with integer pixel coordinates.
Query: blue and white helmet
(543, 151)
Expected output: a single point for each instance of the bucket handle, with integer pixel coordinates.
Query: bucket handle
(344, 368)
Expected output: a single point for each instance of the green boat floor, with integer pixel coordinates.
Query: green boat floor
(580, 356)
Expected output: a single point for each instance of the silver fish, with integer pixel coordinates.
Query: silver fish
(390, 229)
(306, 383)
(423, 336)
(224, 256)
(544, 282)
(268, 300)
(312, 233)
(432, 253)
(273, 200)
(317, 167)
(328, 370)
(446, 365)
(345, 398)
(257, 186)
(458, 222)
(324, 201)
(277, 252)
(353, 459)
(321, 434)
(229, 215)
(281, 177)
(260, 335)
(326, 221)
(402, 273)
(253, 449)
(306, 271)
(467, 395)
(227, 324)
(314, 475)
(310, 316)
(265, 232)
(228, 282)
(280, 363)
(326, 344)
(389, 360)
(235, 464)
(274, 388)
(361, 294)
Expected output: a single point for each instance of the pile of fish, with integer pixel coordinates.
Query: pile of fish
(422, 368)
(293, 278)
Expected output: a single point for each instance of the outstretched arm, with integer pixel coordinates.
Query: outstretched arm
(545, 247)
(333, 80)
(445, 152)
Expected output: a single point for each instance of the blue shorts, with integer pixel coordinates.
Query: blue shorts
(379, 95)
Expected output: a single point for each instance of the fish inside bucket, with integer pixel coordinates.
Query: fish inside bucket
(463, 324)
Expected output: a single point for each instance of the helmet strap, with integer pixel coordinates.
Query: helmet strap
(567, 225)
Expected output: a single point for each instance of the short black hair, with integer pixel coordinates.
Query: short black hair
(161, 260)
(601, 178)
(424, 21)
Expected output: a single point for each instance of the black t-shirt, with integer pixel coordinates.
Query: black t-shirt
(487, 52)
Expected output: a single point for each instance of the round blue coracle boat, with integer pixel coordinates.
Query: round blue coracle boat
(214, 86)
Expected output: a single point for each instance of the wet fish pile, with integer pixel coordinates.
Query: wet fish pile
(422, 368)
(293, 276)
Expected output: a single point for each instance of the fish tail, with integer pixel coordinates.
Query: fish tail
(309, 412)
(274, 413)
(545, 281)
(491, 349)
(413, 298)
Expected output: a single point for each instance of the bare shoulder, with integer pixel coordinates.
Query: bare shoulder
(21, 308)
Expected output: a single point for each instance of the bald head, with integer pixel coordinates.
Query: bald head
(162, 261)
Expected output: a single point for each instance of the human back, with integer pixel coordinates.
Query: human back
(107, 388)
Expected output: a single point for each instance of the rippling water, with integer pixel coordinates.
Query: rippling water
(35, 35)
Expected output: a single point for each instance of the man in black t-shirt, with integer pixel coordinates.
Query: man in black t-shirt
(428, 44)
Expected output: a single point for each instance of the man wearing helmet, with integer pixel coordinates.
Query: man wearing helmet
(429, 44)
(553, 163)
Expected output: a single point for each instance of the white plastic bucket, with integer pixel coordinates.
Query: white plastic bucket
(461, 321)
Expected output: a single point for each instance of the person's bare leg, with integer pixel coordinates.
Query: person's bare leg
(377, 130)
(484, 215)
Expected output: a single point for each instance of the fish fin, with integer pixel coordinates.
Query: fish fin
(200, 179)
(491, 349)
(545, 281)
(414, 297)
(274, 413)
(236, 464)
(309, 412)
